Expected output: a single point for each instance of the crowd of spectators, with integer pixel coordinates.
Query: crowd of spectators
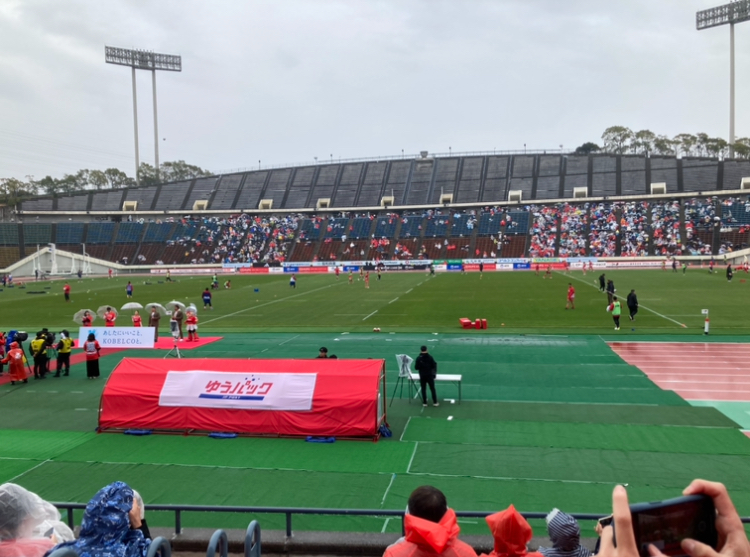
(255, 239)
(604, 230)
(634, 229)
(573, 228)
(543, 230)
(665, 223)
(114, 524)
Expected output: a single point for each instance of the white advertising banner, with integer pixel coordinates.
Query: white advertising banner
(119, 337)
(251, 391)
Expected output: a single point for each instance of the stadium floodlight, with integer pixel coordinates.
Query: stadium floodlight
(143, 60)
(735, 12)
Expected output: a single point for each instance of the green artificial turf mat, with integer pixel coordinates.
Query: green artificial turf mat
(683, 415)
(580, 465)
(586, 395)
(738, 411)
(10, 468)
(39, 445)
(664, 439)
(198, 485)
(291, 454)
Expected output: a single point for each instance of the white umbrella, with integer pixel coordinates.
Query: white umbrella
(192, 308)
(131, 305)
(174, 304)
(78, 317)
(159, 308)
(103, 309)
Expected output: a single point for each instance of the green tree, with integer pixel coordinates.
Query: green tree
(147, 175)
(117, 178)
(617, 139)
(643, 142)
(98, 179)
(716, 146)
(664, 146)
(686, 143)
(701, 142)
(48, 185)
(180, 170)
(13, 190)
(587, 148)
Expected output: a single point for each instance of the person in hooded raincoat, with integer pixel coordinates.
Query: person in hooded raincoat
(110, 525)
(511, 532)
(26, 521)
(16, 358)
(431, 528)
(565, 535)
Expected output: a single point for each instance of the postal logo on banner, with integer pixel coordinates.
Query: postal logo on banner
(119, 337)
(242, 391)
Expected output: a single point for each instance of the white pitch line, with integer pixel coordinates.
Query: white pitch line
(410, 289)
(387, 489)
(287, 340)
(413, 454)
(268, 303)
(373, 313)
(394, 299)
(639, 305)
(29, 470)
(405, 428)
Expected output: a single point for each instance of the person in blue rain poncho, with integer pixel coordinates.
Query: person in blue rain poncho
(110, 525)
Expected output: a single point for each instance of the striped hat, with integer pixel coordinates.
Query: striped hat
(565, 535)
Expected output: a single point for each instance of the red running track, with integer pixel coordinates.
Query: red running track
(695, 371)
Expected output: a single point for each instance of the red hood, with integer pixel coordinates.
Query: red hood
(435, 534)
(511, 532)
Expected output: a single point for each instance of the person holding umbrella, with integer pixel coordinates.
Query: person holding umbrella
(153, 321)
(109, 317)
(137, 322)
(87, 319)
(178, 316)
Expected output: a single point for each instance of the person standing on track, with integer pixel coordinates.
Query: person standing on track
(571, 304)
(109, 318)
(426, 366)
(39, 352)
(16, 358)
(632, 303)
(137, 321)
(63, 354)
(602, 282)
(153, 321)
(91, 348)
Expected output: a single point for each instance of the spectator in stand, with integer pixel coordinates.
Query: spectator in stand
(29, 525)
(431, 528)
(111, 525)
(604, 230)
(573, 230)
(665, 223)
(511, 533)
(634, 229)
(565, 535)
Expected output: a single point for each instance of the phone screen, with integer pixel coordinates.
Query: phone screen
(666, 523)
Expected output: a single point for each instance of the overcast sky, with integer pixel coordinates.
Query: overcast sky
(285, 81)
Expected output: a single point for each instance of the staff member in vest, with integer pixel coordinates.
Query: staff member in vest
(426, 365)
(616, 310)
(15, 357)
(153, 321)
(63, 353)
(91, 348)
(109, 318)
(39, 353)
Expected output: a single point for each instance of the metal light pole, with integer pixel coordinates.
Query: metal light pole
(736, 12)
(143, 60)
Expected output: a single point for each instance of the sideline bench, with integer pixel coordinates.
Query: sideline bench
(439, 378)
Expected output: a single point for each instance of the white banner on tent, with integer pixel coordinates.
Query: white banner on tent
(245, 391)
(119, 337)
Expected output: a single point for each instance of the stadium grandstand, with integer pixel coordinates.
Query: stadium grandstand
(422, 207)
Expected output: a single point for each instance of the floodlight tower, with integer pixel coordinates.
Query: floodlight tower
(143, 60)
(736, 12)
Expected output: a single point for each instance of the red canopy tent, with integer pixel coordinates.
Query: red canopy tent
(319, 397)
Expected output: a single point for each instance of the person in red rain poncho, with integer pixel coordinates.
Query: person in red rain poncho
(511, 533)
(109, 318)
(16, 359)
(431, 528)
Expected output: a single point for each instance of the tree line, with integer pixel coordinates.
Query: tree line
(12, 190)
(620, 140)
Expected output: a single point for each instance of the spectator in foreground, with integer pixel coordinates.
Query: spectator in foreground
(29, 525)
(565, 535)
(431, 528)
(732, 538)
(111, 525)
(511, 533)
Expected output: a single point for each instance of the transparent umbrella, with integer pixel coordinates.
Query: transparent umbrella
(174, 304)
(103, 309)
(159, 308)
(131, 305)
(78, 317)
